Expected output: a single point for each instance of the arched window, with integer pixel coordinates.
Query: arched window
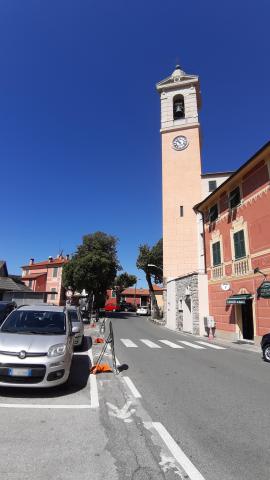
(178, 107)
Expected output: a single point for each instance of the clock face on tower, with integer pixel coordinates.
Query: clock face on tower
(180, 142)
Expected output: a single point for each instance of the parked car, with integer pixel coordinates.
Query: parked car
(36, 347)
(128, 307)
(143, 311)
(77, 321)
(112, 307)
(5, 309)
(265, 344)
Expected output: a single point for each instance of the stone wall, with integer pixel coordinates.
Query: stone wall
(183, 285)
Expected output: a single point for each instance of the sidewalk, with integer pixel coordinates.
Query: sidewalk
(242, 345)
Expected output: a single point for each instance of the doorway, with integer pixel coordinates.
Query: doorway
(187, 314)
(247, 321)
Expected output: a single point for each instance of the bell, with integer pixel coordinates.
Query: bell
(178, 108)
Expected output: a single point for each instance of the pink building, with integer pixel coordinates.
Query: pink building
(237, 250)
(46, 277)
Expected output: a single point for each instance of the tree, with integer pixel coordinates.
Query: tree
(150, 260)
(94, 266)
(122, 281)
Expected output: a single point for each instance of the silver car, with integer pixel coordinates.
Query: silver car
(36, 347)
(76, 319)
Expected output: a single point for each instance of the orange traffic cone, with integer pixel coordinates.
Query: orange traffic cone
(102, 367)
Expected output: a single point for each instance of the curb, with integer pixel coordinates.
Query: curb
(247, 347)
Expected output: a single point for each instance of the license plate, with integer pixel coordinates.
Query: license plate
(19, 372)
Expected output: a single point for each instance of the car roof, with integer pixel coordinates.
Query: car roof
(43, 307)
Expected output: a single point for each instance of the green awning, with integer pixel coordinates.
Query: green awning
(240, 299)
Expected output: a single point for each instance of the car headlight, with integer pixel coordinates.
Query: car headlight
(56, 350)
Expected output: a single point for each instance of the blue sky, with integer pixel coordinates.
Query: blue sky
(80, 118)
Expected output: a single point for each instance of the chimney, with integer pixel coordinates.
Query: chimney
(50, 259)
(67, 256)
(31, 261)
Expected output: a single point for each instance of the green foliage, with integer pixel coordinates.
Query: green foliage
(125, 280)
(151, 256)
(94, 265)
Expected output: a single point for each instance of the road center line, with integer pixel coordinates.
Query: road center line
(132, 387)
(93, 384)
(178, 454)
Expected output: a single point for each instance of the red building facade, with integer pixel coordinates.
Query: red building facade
(237, 250)
(46, 277)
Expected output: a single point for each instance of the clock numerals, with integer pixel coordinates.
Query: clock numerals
(180, 142)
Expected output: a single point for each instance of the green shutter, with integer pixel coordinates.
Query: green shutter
(239, 244)
(216, 253)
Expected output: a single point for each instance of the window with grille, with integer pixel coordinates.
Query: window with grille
(216, 254)
(239, 244)
(212, 185)
(234, 197)
(213, 213)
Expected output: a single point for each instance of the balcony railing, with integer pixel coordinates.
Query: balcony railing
(241, 267)
(217, 272)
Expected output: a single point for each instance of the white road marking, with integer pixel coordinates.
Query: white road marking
(132, 387)
(192, 345)
(128, 343)
(122, 413)
(117, 362)
(149, 343)
(178, 454)
(93, 384)
(217, 347)
(170, 344)
(33, 405)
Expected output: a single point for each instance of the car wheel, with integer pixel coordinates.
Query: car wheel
(266, 353)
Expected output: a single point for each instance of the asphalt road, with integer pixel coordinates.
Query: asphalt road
(210, 403)
(214, 403)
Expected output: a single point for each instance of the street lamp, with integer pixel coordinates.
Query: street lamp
(256, 270)
(155, 266)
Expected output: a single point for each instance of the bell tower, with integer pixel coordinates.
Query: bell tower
(181, 172)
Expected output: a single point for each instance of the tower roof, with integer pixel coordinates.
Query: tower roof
(177, 77)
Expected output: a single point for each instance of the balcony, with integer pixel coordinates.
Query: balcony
(241, 267)
(217, 272)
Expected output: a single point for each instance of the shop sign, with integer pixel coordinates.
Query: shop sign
(264, 290)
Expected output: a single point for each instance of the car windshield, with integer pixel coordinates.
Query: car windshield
(73, 315)
(35, 321)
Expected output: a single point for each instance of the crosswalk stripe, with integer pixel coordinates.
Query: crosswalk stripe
(149, 343)
(192, 345)
(128, 343)
(170, 344)
(216, 347)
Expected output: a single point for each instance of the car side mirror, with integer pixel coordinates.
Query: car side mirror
(75, 330)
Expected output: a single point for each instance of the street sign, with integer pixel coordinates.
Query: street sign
(264, 290)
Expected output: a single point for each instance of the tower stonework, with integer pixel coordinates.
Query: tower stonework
(185, 281)
(181, 171)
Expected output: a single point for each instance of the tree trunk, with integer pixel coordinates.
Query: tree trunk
(155, 309)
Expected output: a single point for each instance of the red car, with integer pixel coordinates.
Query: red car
(112, 307)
